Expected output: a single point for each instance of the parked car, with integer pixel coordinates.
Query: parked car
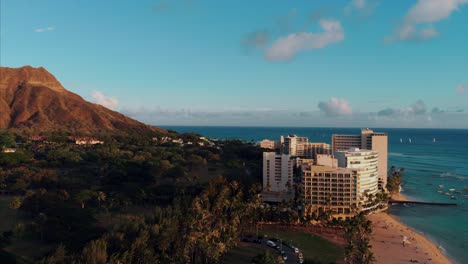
(271, 243)
(245, 239)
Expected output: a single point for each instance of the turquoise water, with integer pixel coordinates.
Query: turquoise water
(428, 164)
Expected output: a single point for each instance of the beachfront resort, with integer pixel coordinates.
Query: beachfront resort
(342, 178)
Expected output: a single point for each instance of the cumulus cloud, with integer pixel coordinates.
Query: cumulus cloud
(460, 90)
(109, 102)
(335, 107)
(417, 108)
(363, 7)
(285, 48)
(256, 39)
(417, 24)
(45, 29)
(387, 112)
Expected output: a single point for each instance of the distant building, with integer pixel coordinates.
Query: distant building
(269, 144)
(277, 177)
(293, 145)
(87, 141)
(178, 141)
(367, 140)
(38, 138)
(9, 150)
(365, 164)
(301, 147)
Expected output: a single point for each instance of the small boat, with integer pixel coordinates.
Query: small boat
(401, 140)
(465, 189)
(452, 190)
(441, 186)
(465, 196)
(453, 197)
(409, 140)
(458, 192)
(433, 140)
(440, 191)
(448, 194)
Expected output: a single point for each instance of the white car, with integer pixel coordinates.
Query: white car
(271, 243)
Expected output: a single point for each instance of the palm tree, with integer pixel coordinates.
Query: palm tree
(101, 197)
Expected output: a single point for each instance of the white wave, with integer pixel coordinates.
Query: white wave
(453, 175)
(395, 154)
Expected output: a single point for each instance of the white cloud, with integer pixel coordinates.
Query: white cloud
(109, 102)
(417, 24)
(45, 29)
(335, 107)
(256, 39)
(364, 7)
(460, 90)
(417, 108)
(285, 48)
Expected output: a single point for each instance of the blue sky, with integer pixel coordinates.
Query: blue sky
(270, 63)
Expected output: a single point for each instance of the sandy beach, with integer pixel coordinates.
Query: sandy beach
(387, 242)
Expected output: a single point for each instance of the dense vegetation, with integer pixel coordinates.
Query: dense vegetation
(132, 199)
(395, 179)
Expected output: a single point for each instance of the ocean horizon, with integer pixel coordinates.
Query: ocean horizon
(431, 158)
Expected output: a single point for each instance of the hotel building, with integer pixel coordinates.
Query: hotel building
(301, 147)
(269, 144)
(277, 177)
(365, 165)
(367, 140)
(327, 188)
(338, 188)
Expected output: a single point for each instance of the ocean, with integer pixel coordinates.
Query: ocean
(431, 157)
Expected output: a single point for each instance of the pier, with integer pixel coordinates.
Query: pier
(422, 203)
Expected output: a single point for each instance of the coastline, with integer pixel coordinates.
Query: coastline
(387, 241)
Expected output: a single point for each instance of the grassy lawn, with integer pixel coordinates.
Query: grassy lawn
(311, 246)
(8, 215)
(244, 253)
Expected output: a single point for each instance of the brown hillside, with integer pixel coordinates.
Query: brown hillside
(33, 98)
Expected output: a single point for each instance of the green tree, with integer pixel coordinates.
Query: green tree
(95, 252)
(15, 203)
(101, 197)
(58, 257)
(264, 258)
(358, 234)
(84, 196)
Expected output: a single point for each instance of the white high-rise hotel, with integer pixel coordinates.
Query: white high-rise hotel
(369, 140)
(365, 165)
(277, 172)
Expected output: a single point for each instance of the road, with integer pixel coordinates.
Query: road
(292, 257)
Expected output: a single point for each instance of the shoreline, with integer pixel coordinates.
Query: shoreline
(387, 241)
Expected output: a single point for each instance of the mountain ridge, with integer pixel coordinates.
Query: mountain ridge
(32, 98)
